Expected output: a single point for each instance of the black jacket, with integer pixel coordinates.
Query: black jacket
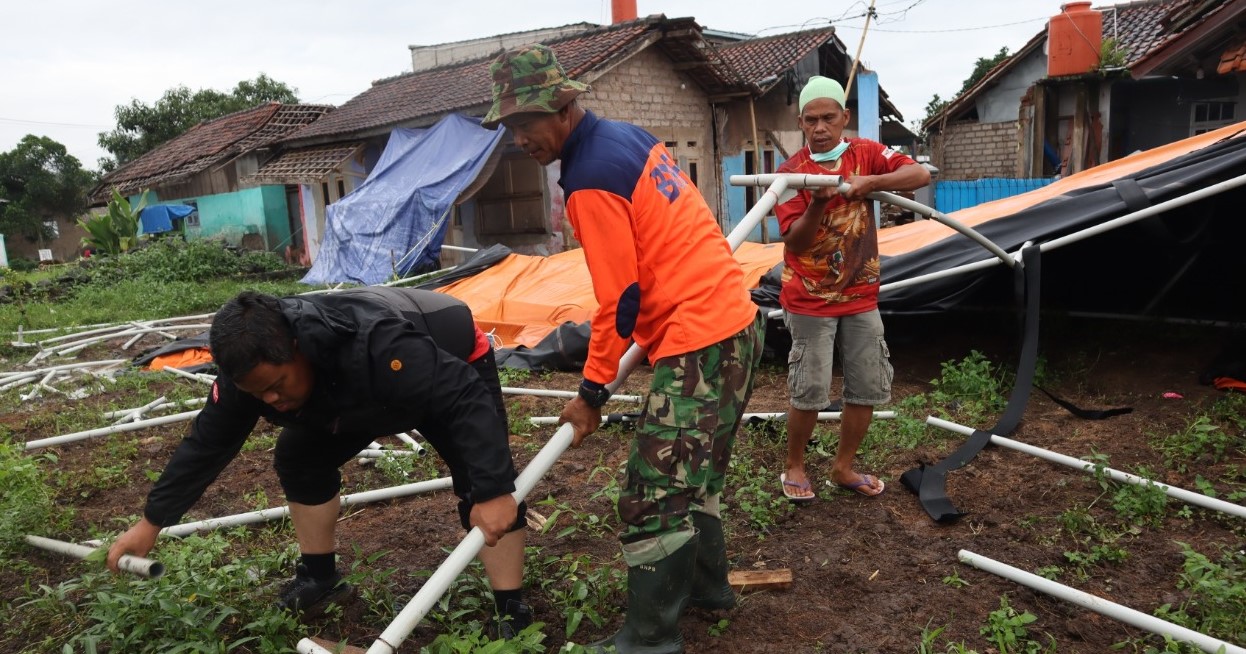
(386, 360)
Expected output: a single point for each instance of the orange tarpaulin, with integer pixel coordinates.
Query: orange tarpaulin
(184, 359)
(523, 298)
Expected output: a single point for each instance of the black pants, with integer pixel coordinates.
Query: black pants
(309, 461)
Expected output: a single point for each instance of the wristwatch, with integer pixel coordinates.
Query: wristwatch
(593, 394)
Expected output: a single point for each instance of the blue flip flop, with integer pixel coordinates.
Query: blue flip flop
(862, 485)
(801, 485)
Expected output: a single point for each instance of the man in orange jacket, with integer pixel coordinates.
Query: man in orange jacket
(664, 276)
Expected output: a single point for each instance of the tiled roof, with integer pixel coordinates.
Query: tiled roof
(762, 62)
(207, 144)
(303, 166)
(1138, 26)
(1233, 59)
(411, 97)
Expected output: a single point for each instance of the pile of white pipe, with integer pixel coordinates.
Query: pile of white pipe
(72, 343)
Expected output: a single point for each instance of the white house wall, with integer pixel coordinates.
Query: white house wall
(999, 103)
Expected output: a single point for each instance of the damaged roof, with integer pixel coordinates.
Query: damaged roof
(418, 98)
(210, 143)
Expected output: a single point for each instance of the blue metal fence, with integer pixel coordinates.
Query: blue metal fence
(952, 196)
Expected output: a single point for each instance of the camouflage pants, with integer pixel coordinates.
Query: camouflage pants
(683, 442)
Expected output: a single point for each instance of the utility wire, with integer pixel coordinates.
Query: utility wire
(958, 29)
(23, 121)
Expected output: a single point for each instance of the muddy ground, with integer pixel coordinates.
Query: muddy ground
(868, 572)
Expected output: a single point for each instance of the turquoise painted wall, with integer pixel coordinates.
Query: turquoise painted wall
(231, 216)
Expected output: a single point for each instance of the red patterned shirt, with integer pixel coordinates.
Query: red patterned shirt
(839, 275)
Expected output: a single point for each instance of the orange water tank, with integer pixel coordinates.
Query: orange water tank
(1073, 40)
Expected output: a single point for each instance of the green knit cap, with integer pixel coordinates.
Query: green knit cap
(822, 87)
(529, 79)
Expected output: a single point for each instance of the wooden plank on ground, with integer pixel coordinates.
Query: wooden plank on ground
(749, 580)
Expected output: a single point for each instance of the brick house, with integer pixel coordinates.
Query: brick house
(1148, 73)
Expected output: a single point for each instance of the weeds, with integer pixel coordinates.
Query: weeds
(26, 505)
(1215, 603)
(974, 387)
(1201, 442)
(205, 602)
(1144, 503)
(578, 587)
(1006, 630)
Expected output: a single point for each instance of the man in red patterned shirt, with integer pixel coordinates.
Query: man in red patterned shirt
(831, 277)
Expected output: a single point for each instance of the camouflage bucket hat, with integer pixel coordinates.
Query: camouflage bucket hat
(529, 79)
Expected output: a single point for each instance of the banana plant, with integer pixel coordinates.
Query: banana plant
(115, 232)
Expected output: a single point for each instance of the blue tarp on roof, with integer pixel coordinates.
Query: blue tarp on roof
(159, 218)
(400, 212)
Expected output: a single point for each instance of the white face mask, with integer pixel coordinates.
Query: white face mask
(831, 155)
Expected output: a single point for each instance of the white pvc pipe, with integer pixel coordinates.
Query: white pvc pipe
(164, 405)
(7, 376)
(415, 445)
(946, 272)
(199, 377)
(20, 330)
(152, 323)
(75, 346)
(1189, 497)
(135, 564)
(107, 327)
(104, 431)
(765, 203)
(456, 248)
(275, 513)
(544, 392)
(371, 453)
(822, 415)
(463, 554)
(135, 414)
(1099, 605)
(798, 180)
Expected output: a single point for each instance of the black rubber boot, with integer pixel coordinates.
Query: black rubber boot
(656, 596)
(517, 618)
(710, 588)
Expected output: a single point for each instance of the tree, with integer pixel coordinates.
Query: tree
(981, 67)
(41, 182)
(141, 127)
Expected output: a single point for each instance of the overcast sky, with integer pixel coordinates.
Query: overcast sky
(65, 65)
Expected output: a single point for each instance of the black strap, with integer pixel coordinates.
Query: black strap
(1132, 194)
(930, 482)
(1086, 414)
